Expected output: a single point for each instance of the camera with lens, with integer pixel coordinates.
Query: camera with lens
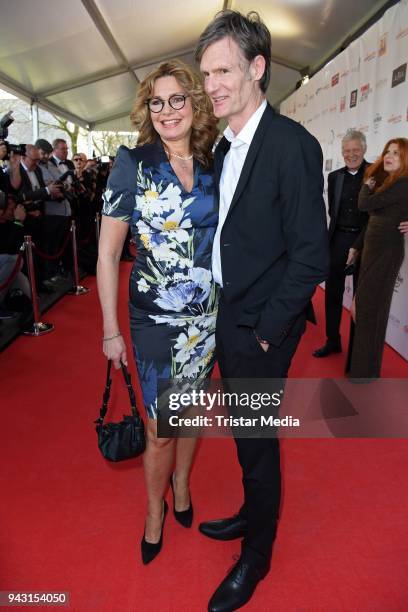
(5, 122)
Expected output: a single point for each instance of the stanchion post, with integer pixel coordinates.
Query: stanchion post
(77, 289)
(38, 328)
(97, 226)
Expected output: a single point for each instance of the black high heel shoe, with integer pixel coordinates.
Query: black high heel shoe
(149, 550)
(184, 517)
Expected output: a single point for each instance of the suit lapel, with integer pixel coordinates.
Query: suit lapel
(221, 150)
(337, 191)
(251, 155)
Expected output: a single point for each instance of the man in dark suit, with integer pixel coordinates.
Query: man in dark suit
(346, 223)
(32, 194)
(270, 252)
(59, 155)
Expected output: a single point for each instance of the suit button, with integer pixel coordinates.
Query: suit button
(226, 244)
(227, 283)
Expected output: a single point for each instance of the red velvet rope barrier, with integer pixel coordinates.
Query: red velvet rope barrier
(13, 273)
(57, 255)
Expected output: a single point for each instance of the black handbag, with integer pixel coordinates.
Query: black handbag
(124, 440)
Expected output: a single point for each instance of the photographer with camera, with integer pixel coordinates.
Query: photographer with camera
(57, 212)
(16, 296)
(33, 194)
(11, 153)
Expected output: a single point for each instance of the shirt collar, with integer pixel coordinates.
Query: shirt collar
(248, 131)
(58, 160)
(25, 167)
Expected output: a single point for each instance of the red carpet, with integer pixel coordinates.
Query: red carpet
(72, 522)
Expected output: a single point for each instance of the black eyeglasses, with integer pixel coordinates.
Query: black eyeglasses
(76, 159)
(176, 102)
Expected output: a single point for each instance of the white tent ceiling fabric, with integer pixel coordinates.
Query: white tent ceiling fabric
(84, 59)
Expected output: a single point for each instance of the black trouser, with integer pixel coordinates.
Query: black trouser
(240, 356)
(56, 228)
(340, 244)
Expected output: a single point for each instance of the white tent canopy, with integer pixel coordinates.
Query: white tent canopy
(84, 59)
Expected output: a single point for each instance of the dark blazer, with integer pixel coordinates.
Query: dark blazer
(274, 247)
(335, 182)
(26, 191)
(69, 164)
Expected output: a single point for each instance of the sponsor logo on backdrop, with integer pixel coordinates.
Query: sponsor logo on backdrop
(333, 109)
(381, 83)
(398, 283)
(356, 68)
(382, 49)
(363, 128)
(377, 121)
(399, 75)
(395, 119)
(402, 33)
(344, 74)
(364, 92)
(328, 165)
(332, 137)
(342, 104)
(393, 319)
(370, 56)
(335, 79)
(353, 98)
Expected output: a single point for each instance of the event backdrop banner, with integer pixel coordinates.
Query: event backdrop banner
(365, 87)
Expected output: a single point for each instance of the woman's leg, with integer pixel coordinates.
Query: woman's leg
(185, 450)
(158, 460)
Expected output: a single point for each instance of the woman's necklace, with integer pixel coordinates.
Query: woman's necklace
(183, 159)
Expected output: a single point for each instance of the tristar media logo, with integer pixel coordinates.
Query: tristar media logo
(399, 75)
(342, 104)
(353, 98)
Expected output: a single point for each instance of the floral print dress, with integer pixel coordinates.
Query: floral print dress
(173, 298)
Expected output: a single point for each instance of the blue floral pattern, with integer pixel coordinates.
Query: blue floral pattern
(173, 298)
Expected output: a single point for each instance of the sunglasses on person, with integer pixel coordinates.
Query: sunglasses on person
(176, 102)
(77, 159)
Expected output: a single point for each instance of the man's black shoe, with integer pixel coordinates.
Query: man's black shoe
(236, 589)
(225, 529)
(327, 349)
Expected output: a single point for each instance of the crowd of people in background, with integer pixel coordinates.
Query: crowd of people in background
(40, 193)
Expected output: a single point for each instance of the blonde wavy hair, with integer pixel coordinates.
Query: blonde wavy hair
(204, 128)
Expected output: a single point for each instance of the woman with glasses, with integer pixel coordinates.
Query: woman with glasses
(164, 189)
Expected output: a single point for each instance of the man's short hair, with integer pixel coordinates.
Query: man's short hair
(44, 145)
(58, 141)
(250, 33)
(355, 135)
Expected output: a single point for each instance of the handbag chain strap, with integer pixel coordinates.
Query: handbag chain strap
(106, 393)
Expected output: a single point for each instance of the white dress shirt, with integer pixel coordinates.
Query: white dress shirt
(231, 171)
(32, 176)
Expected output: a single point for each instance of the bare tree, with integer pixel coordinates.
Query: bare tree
(107, 143)
(71, 129)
